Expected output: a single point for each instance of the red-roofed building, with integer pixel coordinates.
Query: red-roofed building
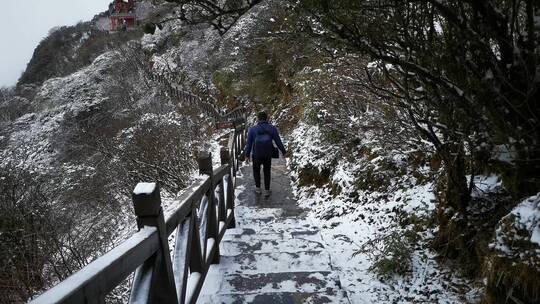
(122, 14)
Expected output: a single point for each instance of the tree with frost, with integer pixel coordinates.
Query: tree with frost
(27, 223)
(222, 15)
(463, 73)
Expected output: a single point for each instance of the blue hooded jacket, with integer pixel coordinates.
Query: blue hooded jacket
(260, 138)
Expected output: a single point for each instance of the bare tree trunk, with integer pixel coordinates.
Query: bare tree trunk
(454, 198)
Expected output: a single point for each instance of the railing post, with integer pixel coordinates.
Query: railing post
(225, 161)
(232, 151)
(236, 148)
(147, 205)
(238, 139)
(205, 167)
(243, 137)
(229, 200)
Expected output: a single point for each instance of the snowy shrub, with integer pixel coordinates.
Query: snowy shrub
(29, 229)
(390, 253)
(159, 148)
(12, 106)
(516, 254)
(521, 228)
(222, 15)
(310, 175)
(149, 28)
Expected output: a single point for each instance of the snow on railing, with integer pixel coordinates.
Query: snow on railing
(160, 278)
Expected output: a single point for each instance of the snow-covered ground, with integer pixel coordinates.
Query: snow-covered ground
(518, 234)
(358, 231)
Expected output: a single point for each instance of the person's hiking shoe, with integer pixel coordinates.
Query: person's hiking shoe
(266, 193)
(257, 190)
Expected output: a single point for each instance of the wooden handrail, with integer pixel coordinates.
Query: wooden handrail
(105, 273)
(199, 230)
(207, 105)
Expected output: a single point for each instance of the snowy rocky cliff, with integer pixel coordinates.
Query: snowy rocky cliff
(72, 147)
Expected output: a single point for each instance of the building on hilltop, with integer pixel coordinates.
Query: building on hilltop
(122, 15)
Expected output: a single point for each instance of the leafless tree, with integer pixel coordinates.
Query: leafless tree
(464, 74)
(222, 15)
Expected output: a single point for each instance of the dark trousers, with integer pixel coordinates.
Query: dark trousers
(266, 163)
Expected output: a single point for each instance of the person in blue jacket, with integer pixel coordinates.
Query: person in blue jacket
(260, 149)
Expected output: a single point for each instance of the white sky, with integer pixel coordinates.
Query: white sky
(23, 23)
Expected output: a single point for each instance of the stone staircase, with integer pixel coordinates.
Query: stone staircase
(274, 255)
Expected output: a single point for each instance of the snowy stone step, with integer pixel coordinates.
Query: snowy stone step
(248, 234)
(275, 224)
(267, 243)
(269, 211)
(280, 282)
(274, 255)
(312, 235)
(305, 261)
(255, 212)
(245, 234)
(276, 298)
(309, 233)
(291, 232)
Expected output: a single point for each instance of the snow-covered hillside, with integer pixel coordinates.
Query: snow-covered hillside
(81, 144)
(414, 204)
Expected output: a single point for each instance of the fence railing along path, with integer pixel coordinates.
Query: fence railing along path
(205, 210)
(208, 104)
(276, 254)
